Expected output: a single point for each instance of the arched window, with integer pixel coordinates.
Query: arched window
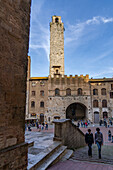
(57, 92)
(104, 103)
(95, 103)
(42, 93)
(68, 92)
(56, 20)
(103, 91)
(56, 71)
(105, 115)
(79, 91)
(41, 104)
(32, 104)
(111, 86)
(95, 91)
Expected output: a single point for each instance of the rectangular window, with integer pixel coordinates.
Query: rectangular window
(42, 93)
(33, 93)
(111, 95)
(111, 86)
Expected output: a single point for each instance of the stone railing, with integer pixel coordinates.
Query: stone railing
(68, 133)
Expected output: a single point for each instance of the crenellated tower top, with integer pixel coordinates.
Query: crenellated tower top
(56, 46)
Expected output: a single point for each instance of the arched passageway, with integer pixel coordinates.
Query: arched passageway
(76, 111)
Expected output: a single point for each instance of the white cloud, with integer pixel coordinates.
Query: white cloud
(103, 73)
(39, 38)
(98, 20)
(75, 32)
(36, 8)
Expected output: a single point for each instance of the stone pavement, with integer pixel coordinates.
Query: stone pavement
(80, 165)
(107, 154)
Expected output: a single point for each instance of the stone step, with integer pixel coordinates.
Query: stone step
(30, 144)
(36, 159)
(55, 157)
(68, 155)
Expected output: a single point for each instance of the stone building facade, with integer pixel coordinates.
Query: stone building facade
(60, 96)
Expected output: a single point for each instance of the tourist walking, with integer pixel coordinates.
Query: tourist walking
(89, 141)
(109, 135)
(99, 141)
(29, 127)
(25, 126)
(82, 123)
(100, 122)
(39, 127)
(78, 124)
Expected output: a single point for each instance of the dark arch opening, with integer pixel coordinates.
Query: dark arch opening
(76, 111)
(56, 20)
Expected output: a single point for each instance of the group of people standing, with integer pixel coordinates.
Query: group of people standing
(90, 140)
(83, 123)
(106, 123)
(41, 126)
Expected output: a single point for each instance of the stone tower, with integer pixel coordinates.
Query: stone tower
(56, 46)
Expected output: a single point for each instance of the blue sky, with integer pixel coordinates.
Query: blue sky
(88, 36)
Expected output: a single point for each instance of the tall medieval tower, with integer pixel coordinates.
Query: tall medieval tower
(56, 46)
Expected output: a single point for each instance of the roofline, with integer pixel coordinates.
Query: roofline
(38, 78)
(101, 80)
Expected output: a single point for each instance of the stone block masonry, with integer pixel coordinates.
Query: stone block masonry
(14, 40)
(70, 135)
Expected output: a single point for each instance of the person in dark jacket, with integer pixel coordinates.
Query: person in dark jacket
(99, 140)
(109, 135)
(89, 141)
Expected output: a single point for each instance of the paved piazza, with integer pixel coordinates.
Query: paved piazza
(44, 139)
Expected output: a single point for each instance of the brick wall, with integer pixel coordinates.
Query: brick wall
(14, 40)
(68, 134)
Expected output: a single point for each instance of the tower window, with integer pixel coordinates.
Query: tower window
(57, 92)
(56, 20)
(56, 71)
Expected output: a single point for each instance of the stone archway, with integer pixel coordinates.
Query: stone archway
(76, 111)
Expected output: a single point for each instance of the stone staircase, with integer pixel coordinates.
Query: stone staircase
(54, 153)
